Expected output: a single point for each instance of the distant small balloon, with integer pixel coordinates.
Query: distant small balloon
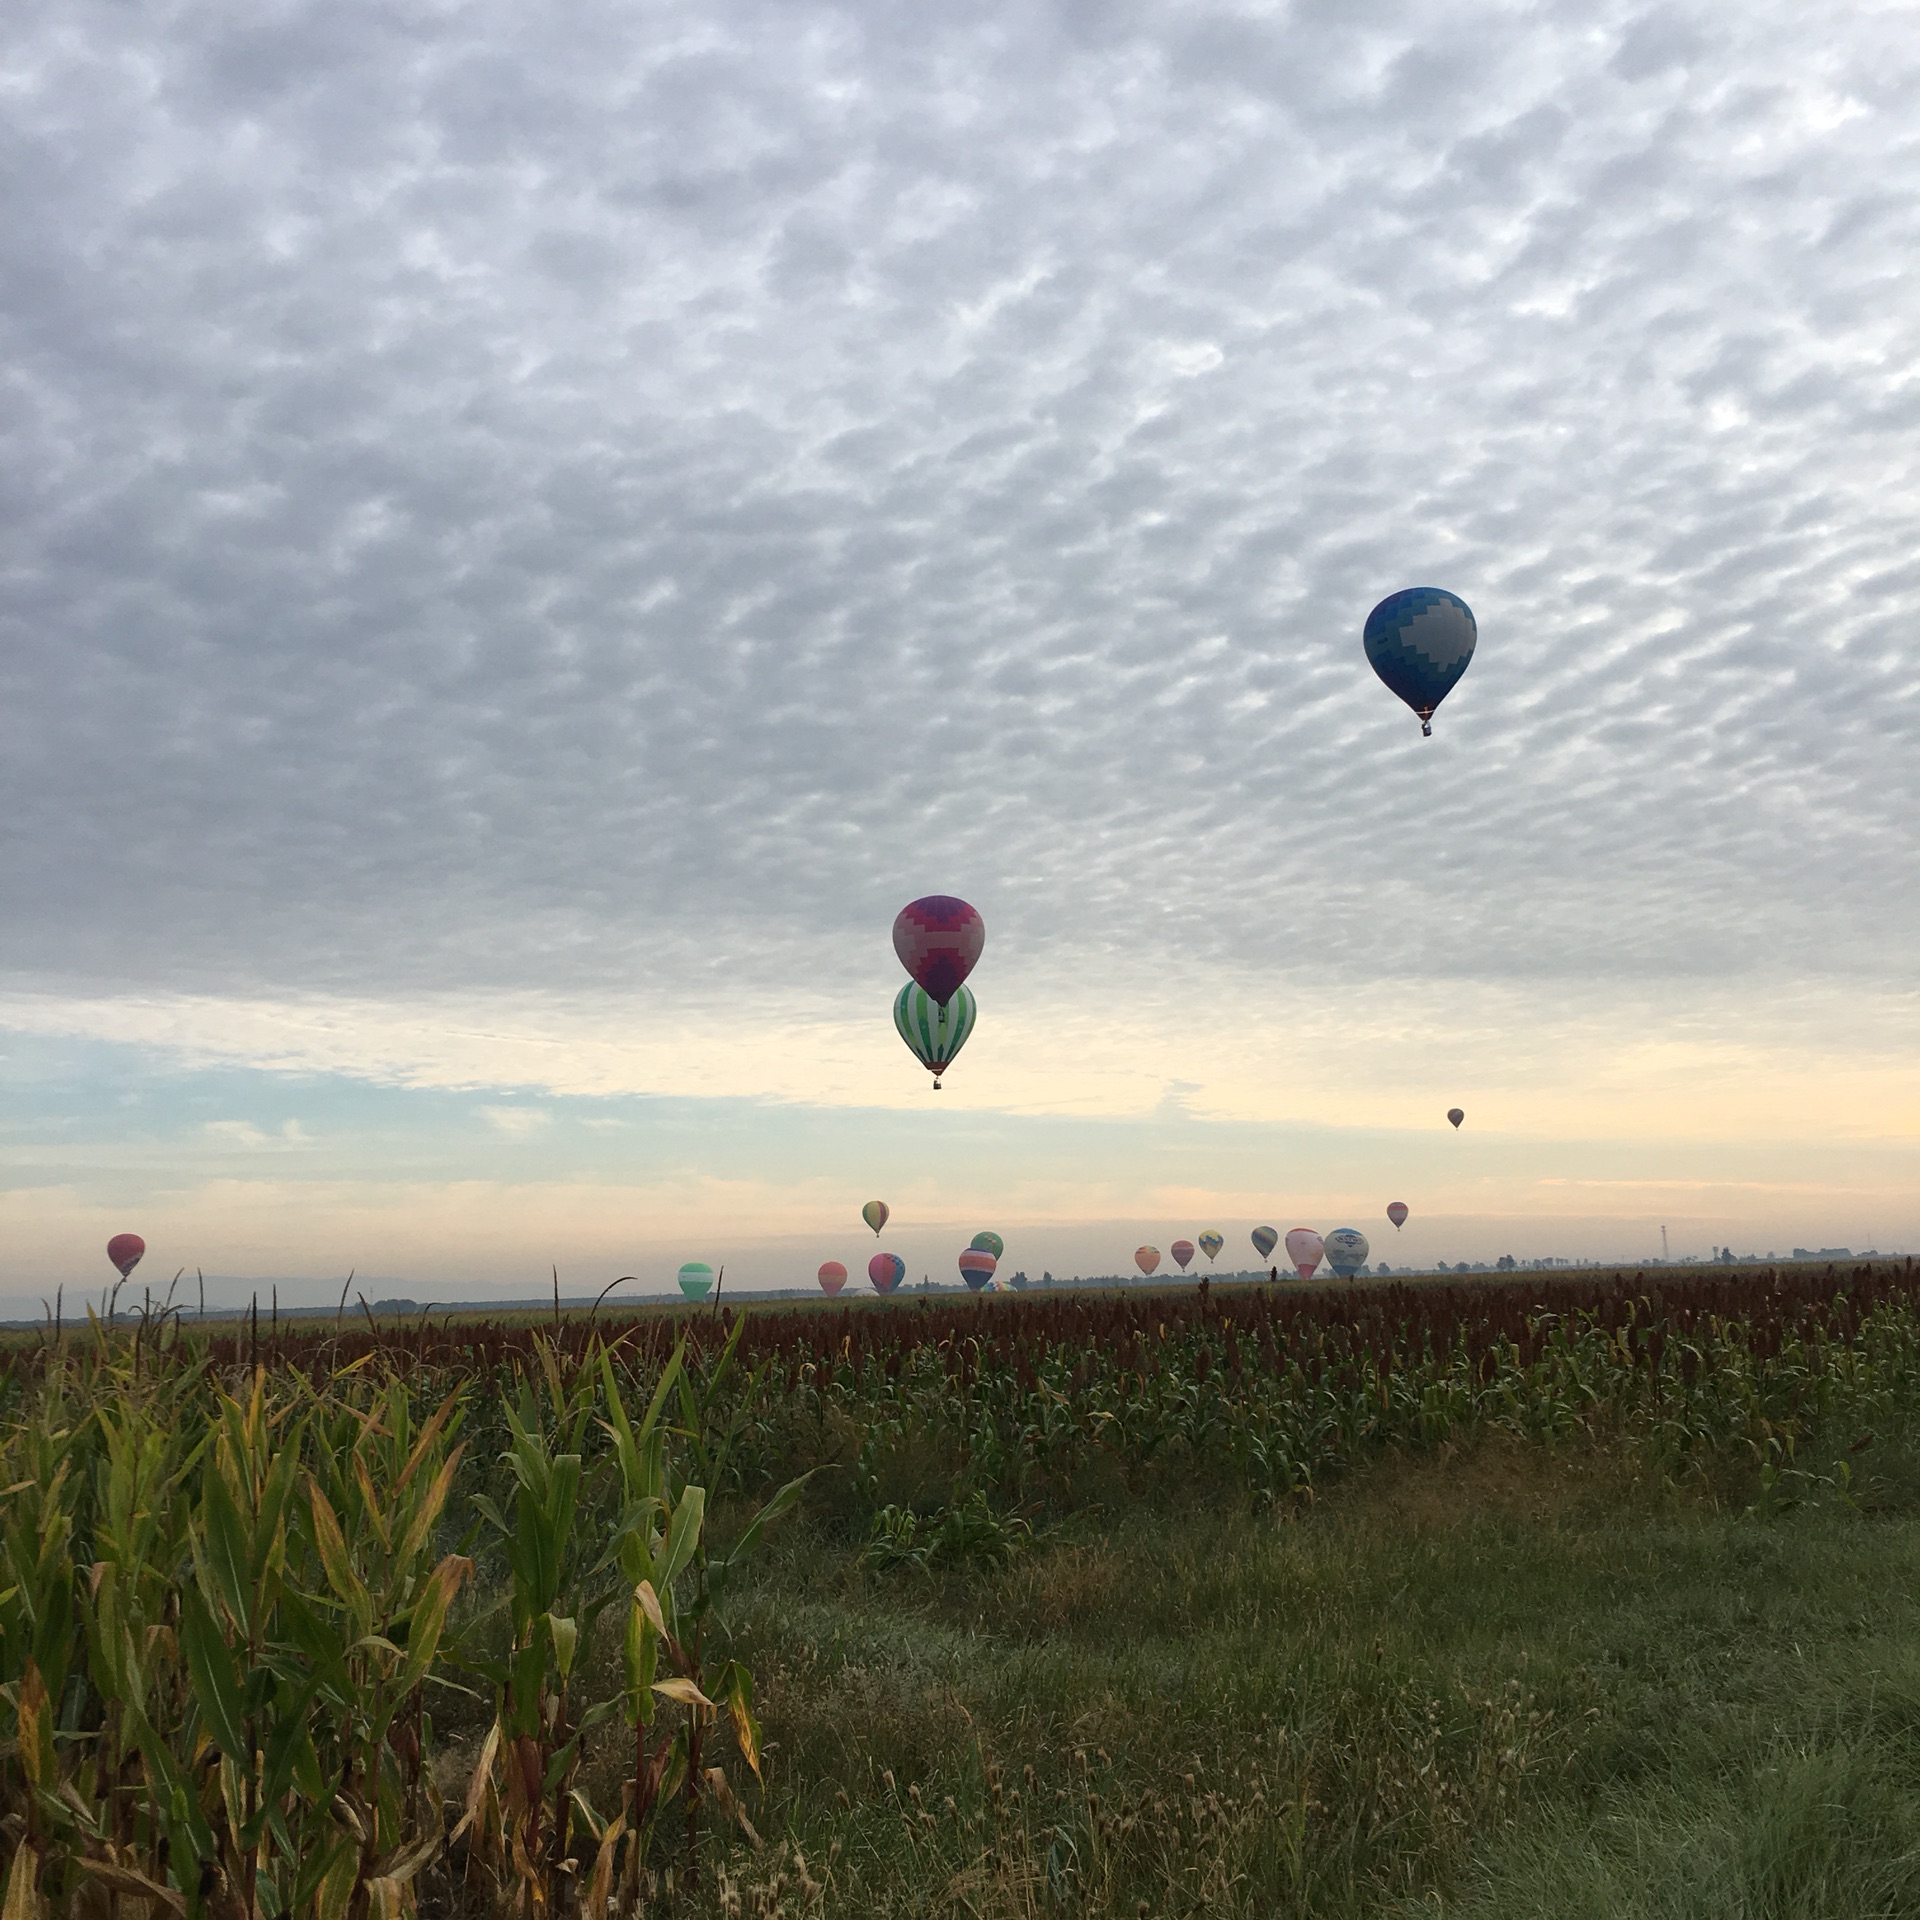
(886, 1271)
(1264, 1241)
(124, 1250)
(1182, 1251)
(874, 1213)
(938, 940)
(696, 1279)
(1456, 1115)
(989, 1243)
(833, 1276)
(1210, 1245)
(1146, 1258)
(1397, 1213)
(1347, 1251)
(1305, 1249)
(976, 1267)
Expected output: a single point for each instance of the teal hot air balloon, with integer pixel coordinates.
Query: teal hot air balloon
(987, 1242)
(696, 1279)
(1264, 1241)
(933, 1033)
(1419, 642)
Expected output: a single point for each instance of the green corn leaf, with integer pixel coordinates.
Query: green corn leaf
(216, 1688)
(227, 1553)
(683, 1537)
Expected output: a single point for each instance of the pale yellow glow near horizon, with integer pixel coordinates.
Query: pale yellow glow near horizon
(1802, 1061)
(1795, 1118)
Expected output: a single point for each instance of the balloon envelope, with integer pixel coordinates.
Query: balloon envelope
(1210, 1245)
(989, 1243)
(1146, 1258)
(874, 1213)
(1347, 1251)
(1397, 1213)
(1264, 1241)
(976, 1267)
(1419, 642)
(124, 1250)
(696, 1279)
(934, 1033)
(1455, 1115)
(1182, 1251)
(886, 1271)
(833, 1276)
(938, 940)
(1304, 1249)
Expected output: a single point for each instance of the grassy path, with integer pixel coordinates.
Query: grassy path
(1512, 1681)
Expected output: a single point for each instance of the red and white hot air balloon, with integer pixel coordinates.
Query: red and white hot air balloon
(1305, 1249)
(1182, 1251)
(124, 1250)
(939, 939)
(1397, 1213)
(976, 1267)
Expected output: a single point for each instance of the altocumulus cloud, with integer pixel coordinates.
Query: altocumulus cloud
(520, 498)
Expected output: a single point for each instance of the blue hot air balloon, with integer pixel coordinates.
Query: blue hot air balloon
(1419, 642)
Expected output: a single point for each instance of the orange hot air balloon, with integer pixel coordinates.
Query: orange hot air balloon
(833, 1276)
(1182, 1251)
(1146, 1258)
(1397, 1213)
(124, 1250)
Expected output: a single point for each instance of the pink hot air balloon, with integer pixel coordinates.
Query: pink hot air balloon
(1146, 1258)
(833, 1276)
(976, 1267)
(1182, 1252)
(938, 940)
(1397, 1213)
(124, 1250)
(886, 1271)
(1305, 1249)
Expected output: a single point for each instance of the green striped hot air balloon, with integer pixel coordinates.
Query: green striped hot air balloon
(934, 1033)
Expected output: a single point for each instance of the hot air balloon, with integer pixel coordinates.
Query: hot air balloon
(1304, 1249)
(874, 1213)
(1456, 1115)
(1146, 1258)
(934, 1033)
(1397, 1213)
(1419, 642)
(696, 1279)
(124, 1250)
(1264, 1241)
(886, 1271)
(987, 1242)
(1347, 1251)
(976, 1267)
(938, 940)
(1210, 1245)
(1182, 1251)
(833, 1276)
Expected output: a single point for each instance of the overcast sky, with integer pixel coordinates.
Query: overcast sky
(530, 530)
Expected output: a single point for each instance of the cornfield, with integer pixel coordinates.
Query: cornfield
(432, 1620)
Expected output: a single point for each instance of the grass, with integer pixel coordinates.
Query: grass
(1515, 1679)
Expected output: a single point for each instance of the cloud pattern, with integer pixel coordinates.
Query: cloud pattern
(510, 497)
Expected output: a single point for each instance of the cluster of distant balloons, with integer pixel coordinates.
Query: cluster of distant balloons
(1419, 641)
